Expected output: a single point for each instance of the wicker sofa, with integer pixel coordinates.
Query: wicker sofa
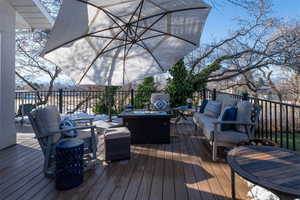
(247, 116)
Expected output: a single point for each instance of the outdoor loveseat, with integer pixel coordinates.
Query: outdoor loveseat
(209, 121)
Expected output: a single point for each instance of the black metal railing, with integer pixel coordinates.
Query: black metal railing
(278, 121)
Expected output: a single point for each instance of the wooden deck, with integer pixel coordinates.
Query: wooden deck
(181, 170)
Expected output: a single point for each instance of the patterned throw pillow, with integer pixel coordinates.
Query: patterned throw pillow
(160, 104)
(212, 109)
(68, 123)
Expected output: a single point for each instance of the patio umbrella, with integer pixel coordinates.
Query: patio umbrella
(116, 42)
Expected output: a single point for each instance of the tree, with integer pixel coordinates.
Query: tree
(29, 65)
(144, 91)
(251, 51)
(180, 85)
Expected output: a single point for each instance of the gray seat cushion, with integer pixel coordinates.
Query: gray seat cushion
(206, 123)
(231, 137)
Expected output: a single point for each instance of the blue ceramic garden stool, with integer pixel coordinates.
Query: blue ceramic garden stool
(69, 163)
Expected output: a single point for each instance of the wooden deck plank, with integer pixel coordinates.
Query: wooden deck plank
(146, 184)
(181, 170)
(157, 183)
(168, 184)
(179, 179)
(191, 181)
(137, 176)
(205, 183)
(127, 174)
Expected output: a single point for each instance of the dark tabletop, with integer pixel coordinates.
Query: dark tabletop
(143, 113)
(274, 168)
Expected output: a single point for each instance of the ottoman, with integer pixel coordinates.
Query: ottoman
(102, 125)
(117, 144)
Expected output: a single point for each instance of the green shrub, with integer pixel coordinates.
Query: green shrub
(144, 91)
(103, 102)
(179, 86)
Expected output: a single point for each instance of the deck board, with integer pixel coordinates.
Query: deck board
(181, 170)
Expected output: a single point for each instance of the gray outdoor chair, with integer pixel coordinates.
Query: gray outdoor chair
(45, 123)
(24, 110)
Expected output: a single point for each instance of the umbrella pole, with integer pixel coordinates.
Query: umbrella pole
(109, 105)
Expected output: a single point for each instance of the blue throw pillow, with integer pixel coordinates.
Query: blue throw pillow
(229, 115)
(68, 123)
(203, 105)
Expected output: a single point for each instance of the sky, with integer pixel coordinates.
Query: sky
(220, 19)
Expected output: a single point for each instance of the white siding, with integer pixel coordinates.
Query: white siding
(7, 74)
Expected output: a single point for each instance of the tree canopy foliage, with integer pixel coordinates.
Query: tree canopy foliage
(144, 91)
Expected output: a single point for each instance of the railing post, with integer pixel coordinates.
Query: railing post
(214, 95)
(60, 100)
(132, 97)
(245, 96)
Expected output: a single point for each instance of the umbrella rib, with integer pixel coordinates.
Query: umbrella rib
(140, 5)
(106, 37)
(78, 38)
(137, 37)
(172, 11)
(139, 17)
(99, 54)
(104, 53)
(154, 58)
(150, 37)
(168, 34)
(109, 14)
(149, 27)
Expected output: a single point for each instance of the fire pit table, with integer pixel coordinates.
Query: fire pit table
(147, 127)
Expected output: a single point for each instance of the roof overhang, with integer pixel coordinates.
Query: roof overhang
(30, 14)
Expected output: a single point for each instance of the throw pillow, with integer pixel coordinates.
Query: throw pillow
(212, 109)
(203, 105)
(160, 105)
(228, 114)
(68, 123)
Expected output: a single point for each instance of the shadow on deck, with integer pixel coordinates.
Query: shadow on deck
(181, 170)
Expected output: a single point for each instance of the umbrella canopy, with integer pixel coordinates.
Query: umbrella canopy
(115, 42)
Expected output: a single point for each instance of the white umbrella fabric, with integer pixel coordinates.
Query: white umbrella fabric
(116, 42)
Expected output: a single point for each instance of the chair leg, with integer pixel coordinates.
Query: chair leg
(214, 156)
(94, 144)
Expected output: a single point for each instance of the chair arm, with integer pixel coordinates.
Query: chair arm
(72, 129)
(235, 122)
